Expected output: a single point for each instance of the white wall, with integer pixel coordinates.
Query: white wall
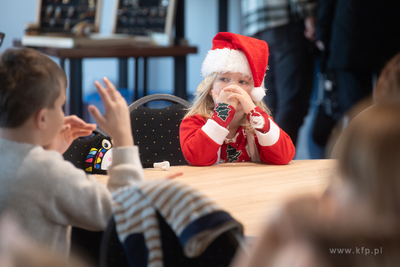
(201, 25)
(13, 16)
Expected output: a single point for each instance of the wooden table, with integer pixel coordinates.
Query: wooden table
(252, 191)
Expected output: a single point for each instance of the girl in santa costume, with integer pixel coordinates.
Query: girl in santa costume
(228, 121)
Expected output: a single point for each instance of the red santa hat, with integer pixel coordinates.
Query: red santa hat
(237, 53)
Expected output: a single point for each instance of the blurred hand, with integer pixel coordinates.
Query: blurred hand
(320, 45)
(116, 121)
(73, 128)
(309, 31)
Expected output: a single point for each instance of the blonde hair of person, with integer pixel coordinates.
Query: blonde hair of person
(312, 232)
(369, 154)
(387, 89)
(203, 104)
(388, 84)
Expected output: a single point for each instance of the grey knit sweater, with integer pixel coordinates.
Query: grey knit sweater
(49, 195)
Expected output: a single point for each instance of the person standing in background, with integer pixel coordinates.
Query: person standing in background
(288, 26)
(356, 38)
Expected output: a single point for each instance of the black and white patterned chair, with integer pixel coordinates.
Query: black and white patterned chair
(156, 130)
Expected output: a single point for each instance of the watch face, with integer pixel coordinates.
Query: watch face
(60, 16)
(49, 11)
(67, 25)
(139, 17)
(70, 12)
(57, 12)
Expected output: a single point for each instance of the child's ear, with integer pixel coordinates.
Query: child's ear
(40, 118)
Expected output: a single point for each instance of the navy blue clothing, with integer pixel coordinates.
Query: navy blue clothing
(359, 38)
(289, 78)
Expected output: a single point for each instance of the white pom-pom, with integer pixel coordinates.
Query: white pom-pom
(257, 94)
(163, 165)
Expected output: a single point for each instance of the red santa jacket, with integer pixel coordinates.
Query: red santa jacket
(203, 142)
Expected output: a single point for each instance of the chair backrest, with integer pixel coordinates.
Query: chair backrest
(156, 131)
(111, 251)
(170, 223)
(219, 253)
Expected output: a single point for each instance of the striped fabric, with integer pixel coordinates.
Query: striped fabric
(260, 15)
(134, 210)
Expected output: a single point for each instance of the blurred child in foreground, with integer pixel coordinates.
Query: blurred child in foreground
(360, 211)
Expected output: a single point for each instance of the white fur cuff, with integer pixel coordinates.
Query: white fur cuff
(271, 137)
(215, 131)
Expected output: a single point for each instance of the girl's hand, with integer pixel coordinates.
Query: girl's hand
(116, 120)
(223, 97)
(73, 128)
(237, 93)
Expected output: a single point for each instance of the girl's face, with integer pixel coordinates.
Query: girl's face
(224, 80)
(230, 78)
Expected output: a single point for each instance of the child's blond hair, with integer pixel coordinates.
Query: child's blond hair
(388, 83)
(369, 153)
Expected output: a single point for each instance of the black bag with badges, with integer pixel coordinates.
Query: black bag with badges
(91, 153)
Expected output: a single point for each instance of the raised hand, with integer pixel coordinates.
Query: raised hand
(116, 120)
(72, 128)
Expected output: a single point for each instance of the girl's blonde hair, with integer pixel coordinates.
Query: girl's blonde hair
(388, 83)
(368, 156)
(203, 104)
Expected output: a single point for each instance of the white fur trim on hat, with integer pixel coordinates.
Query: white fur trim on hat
(225, 60)
(257, 94)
